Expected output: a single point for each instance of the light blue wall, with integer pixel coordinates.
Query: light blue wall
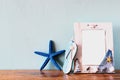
(28, 25)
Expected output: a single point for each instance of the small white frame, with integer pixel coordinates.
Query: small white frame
(93, 41)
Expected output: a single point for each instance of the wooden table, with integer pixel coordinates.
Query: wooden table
(53, 75)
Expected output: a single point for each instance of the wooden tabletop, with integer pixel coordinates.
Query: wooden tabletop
(53, 75)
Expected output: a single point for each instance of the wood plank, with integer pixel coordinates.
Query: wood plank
(53, 75)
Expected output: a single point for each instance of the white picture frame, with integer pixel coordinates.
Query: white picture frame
(94, 40)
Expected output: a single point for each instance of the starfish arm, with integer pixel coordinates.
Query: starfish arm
(55, 63)
(41, 53)
(58, 52)
(51, 46)
(45, 63)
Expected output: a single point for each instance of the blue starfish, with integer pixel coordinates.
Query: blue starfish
(50, 55)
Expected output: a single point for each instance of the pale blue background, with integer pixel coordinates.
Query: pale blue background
(28, 25)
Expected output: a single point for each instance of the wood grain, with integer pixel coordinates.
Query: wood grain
(53, 75)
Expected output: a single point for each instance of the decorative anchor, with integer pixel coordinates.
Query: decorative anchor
(50, 55)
